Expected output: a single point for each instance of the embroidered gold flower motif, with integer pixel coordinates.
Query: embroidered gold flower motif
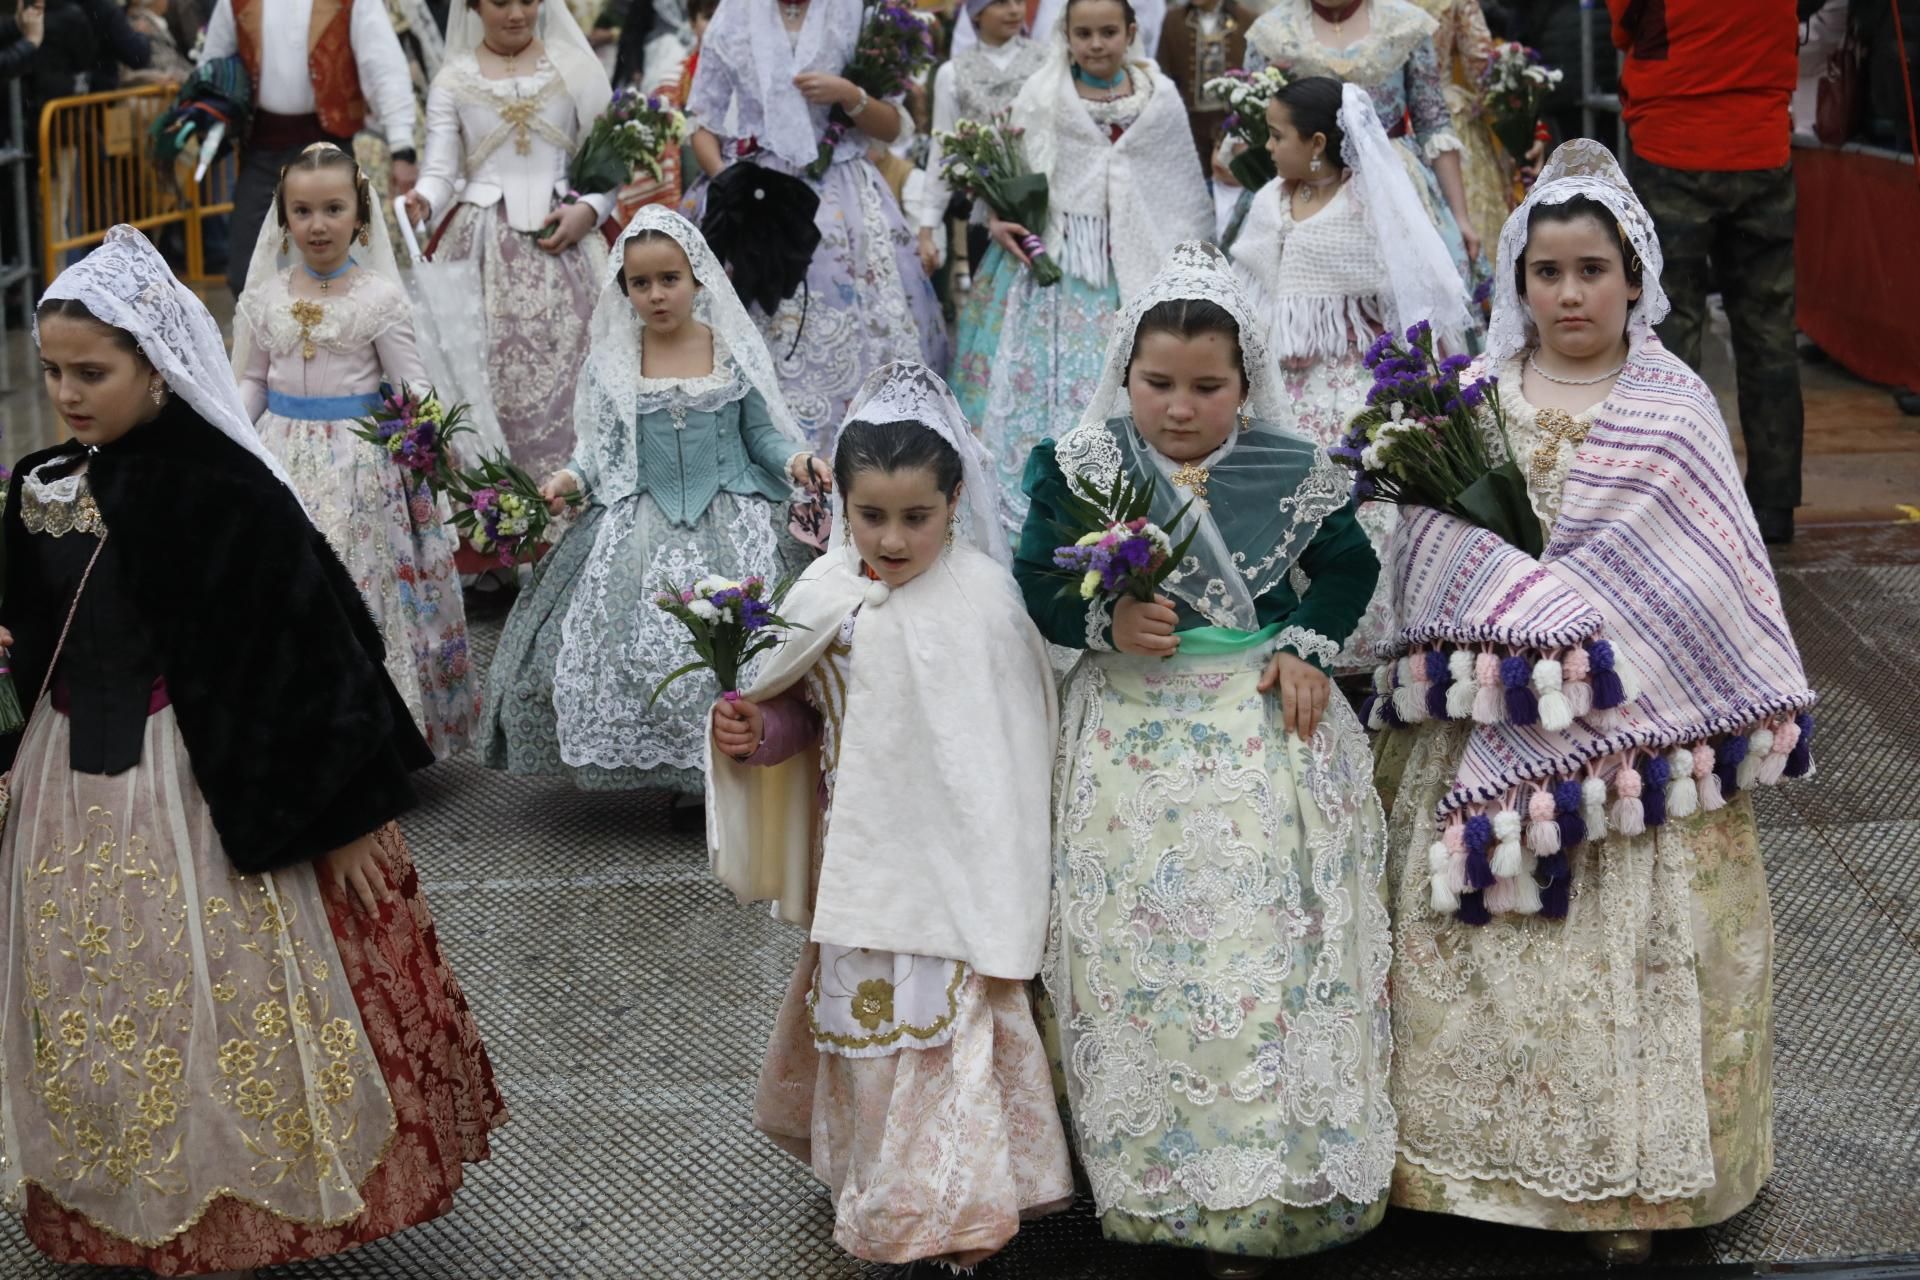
(873, 1003)
(45, 1057)
(41, 987)
(293, 1130)
(73, 1027)
(338, 1038)
(137, 1145)
(118, 1171)
(255, 1098)
(98, 1074)
(270, 920)
(238, 1058)
(159, 998)
(218, 906)
(336, 1082)
(156, 1105)
(224, 992)
(163, 1064)
(302, 1011)
(89, 1138)
(93, 941)
(57, 1097)
(269, 1020)
(48, 910)
(1193, 478)
(120, 1031)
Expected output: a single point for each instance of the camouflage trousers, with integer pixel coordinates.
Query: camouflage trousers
(1733, 232)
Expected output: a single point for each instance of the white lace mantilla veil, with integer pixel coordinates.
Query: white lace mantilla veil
(127, 284)
(607, 403)
(566, 45)
(267, 261)
(907, 391)
(1579, 168)
(748, 34)
(1422, 282)
(1261, 511)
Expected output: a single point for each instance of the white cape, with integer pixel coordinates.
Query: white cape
(939, 842)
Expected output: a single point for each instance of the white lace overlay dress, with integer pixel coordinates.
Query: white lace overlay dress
(1609, 1071)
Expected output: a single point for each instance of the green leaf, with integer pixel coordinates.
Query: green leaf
(661, 688)
(1497, 502)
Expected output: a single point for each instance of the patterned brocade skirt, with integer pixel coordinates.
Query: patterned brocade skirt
(537, 307)
(205, 1070)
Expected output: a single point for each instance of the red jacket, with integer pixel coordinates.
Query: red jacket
(1707, 82)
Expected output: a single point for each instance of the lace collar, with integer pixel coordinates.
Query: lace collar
(705, 393)
(1284, 35)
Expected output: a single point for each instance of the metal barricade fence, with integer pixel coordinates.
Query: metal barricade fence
(96, 171)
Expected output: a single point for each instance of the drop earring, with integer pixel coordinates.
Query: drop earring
(366, 236)
(1245, 420)
(1315, 166)
(158, 390)
(286, 245)
(952, 520)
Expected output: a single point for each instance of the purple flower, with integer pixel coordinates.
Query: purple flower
(1418, 333)
(1474, 392)
(1363, 488)
(1381, 346)
(1454, 364)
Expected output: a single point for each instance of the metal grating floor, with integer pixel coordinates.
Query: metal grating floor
(626, 1000)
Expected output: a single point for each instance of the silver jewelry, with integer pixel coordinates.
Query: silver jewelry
(1534, 362)
(1315, 166)
(158, 390)
(854, 111)
(1310, 191)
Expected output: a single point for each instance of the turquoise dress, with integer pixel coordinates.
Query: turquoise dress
(698, 492)
(1216, 988)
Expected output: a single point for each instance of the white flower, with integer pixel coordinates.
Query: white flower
(703, 610)
(1371, 458)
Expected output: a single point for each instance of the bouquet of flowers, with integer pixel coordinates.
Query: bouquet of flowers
(985, 162)
(1121, 552)
(1512, 85)
(1247, 94)
(632, 134)
(416, 431)
(499, 511)
(731, 623)
(895, 44)
(1422, 441)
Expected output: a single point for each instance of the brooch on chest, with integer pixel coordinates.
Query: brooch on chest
(308, 316)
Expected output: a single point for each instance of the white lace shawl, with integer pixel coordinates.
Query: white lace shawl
(1316, 286)
(125, 283)
(1579, 168)
(748, 40)
(1125, 203)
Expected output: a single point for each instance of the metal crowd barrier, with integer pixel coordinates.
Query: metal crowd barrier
(96, 171)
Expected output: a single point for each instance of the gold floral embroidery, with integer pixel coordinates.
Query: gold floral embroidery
(73, 1028)
(873, 1003)
(163, 1064)
(308, 316)
(1556, 427)
(338, 1038)
(58, 519)
(293, 1130)
(238, 1058)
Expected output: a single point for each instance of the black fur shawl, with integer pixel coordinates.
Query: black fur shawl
(297, 736)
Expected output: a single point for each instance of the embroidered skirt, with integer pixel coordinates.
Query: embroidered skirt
(537, 307)
(206, 1070)
(1218, 960)
(1610, 1071)
(1028, 363)
(400, 555)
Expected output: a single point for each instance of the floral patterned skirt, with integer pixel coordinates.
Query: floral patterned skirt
(1217, 966)
(537, 307)
(264, 1074)
(1324, 396)
(1607, 1072)
(400, 555)
(1029, 361)
(934, 1153)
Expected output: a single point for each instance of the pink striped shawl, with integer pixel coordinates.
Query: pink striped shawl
(1656, 553)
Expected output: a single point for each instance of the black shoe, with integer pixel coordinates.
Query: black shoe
(1776, 525)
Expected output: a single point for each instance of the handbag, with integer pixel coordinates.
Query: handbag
(1837, 100)
(6, 779)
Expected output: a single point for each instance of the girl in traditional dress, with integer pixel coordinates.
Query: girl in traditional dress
(1124, 187)
(1385, 47)
(1217, 966)
(1582, 941)
(313, 343)
(1333, 252)
(978, 83)
(1461, 46)
(767, 77)
(685, 454)
(232, 1040)
(520, 89)
(904, 1066)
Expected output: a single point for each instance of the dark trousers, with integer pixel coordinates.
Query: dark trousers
(1733, 231)
(275, 143)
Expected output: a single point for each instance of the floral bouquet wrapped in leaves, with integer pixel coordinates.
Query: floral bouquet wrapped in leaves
(1512, 85)
(499, 511)
(895, 44)
(731, 623)
(632, 134)
(1247, 94)
(416, 431)
(1422, 441)
(1120, 552)
(985, 161)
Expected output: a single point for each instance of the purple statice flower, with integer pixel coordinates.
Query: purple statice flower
(1475, 392)
(754, 614)
(1454, 364)
(1363, 488)
(1378, 351)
